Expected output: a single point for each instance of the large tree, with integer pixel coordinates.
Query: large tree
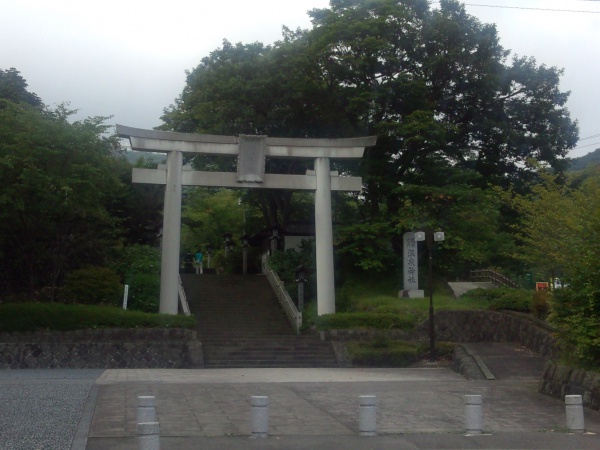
(434, 85)
(13, 87)
(56, 183)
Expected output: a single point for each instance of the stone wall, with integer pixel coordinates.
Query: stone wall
(101, 348)
(558, 381)
(468, 326)
(492, 326)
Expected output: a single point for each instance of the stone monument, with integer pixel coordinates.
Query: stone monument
(410, 259)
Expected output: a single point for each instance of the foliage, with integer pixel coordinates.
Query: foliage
(502, 298)
(13, 88)
(576, 311)
(285, 264)
(470, 216)
(57, 182)
(559, 229)
(452, 114)
(207, 215)
(144, 292)
(56, 316)
(395, 354)
(139, 267)
(365, 320)
(366, 246)
(384, 352)
(540, 304)
(92, 285)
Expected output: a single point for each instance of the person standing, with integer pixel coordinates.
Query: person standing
(198, 260)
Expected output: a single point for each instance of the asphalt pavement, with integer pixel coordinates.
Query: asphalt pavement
(417, 408)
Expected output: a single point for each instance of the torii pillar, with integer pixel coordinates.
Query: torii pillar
(251, 152)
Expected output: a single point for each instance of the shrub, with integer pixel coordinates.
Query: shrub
(385, 352)
(366, 320)
(92, 285)
(144, 292)
(139, 267)
(395, 354)
(576, 312)
(540, 304)
(20, 317)
(502, 298)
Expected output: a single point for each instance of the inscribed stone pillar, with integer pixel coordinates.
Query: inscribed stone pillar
(410, 261)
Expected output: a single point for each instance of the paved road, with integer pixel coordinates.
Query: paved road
(41, 409)
(310, 408)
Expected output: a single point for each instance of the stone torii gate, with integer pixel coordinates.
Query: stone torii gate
(251, 152)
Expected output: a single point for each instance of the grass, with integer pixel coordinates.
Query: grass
(20, 317)
(374, 303)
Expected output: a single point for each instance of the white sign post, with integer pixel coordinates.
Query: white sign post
(125, 296)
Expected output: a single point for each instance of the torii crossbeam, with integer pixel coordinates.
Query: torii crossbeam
(251, 152)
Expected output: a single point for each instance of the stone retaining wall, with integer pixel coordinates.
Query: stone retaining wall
(101, 348)
(558, 381)
(468, 326)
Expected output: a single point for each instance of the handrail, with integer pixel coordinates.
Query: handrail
(292, 313)
(183, 299)
(494, 277)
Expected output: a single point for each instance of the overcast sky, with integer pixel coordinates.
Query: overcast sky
(127, 58)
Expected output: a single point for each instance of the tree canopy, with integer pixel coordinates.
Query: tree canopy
(435, 85)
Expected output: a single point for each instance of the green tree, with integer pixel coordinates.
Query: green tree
(434, 85)
(13, 87)
(559, 230)
(55, 180)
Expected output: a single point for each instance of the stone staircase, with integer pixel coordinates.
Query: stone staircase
(241, 324)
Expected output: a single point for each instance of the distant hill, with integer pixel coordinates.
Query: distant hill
(132, 156)
(583, 161)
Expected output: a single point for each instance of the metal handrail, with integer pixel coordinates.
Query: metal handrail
(494, 277)
(292, 313)
(183, 299)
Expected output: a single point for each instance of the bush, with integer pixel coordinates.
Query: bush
(92, 285)
(139, 267)
(366, 320)
(384, 352)
(540, 304)
(20, 317)
(502, 298)
(576, 312)
(144, 292)
(395, 354)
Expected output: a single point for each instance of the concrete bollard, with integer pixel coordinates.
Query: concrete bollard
(260, 416)
(574, 410)
(367, 415)
(149, 436)
(146, 412)
(473, 414)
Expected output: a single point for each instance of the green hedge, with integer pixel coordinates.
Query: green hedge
(92, 285)
(16, 317)
(366, 320)
(383, 352)
(503, 298)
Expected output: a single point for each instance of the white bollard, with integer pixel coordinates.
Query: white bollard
(574, 410)
(260, 416)
(146, 411)
(473, 414)
(367, 415)
(149, 436)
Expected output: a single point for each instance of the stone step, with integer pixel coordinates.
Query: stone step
(241, 324)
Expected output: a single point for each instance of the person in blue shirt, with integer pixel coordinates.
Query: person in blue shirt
(198, 261)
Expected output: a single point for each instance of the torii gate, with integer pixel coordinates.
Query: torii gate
(251, 151)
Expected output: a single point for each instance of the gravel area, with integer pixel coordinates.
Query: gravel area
(41, 409)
